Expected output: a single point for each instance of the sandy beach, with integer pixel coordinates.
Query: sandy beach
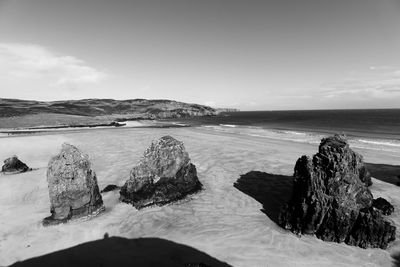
(57, 129)
(222, 221)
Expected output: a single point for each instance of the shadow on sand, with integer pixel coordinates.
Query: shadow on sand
(271, 190)
(396, 259)
(118, 251)
(384, 172)
(274, 190)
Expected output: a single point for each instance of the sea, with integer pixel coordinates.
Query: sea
(365, 128)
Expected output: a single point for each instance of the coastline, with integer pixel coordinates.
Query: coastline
(391, 146)
(370, 124)
(59, 129)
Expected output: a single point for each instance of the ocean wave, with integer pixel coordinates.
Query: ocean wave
(295, 133)
(381, 142)
(256, 131)
(376, 144)
(229, 125)
(303, 137)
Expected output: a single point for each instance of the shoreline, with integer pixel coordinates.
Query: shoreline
(380, 145)
(313, 138)
(43, 130)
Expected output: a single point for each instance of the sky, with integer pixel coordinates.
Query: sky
(249, 54)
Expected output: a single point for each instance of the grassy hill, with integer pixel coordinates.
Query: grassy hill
(30, 113)
(100, 107)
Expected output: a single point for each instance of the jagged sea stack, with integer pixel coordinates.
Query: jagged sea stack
(331, 198)
(164, 174)
(73, 188)
(14, 165)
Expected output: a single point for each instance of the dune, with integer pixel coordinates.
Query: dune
(232, 224)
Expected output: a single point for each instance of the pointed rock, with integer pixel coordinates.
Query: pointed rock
(73, 188)
(164, 174)
(331, 199)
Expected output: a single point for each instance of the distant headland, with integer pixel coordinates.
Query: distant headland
(16, 113)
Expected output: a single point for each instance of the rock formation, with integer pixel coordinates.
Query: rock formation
(383, 205)
(73, 187)
(14, 165)
(331, 199)
(164, 174)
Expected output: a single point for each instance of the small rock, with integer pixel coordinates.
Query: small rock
(164, 174)
(117, 124)
(383, 205)
(14, 165)
(110, 187)
(73, 187)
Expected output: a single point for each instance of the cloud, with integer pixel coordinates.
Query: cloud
(210, 103)
(35, 63)
(385, 85)
(384, 67)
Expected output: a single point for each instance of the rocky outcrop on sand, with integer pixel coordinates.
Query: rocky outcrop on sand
(14, 165)
(164, 174)
(72, 186)
(331, 199)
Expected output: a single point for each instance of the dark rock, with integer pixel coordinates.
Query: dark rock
(352, 162)
(329, 192)
(383, 205)
(164, 174)
(117, 124)
(110, 187)
(14, 165)
(73, 187)
(371, 230)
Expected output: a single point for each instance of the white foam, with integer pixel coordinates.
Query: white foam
(229, 125)
(305, 137)
(255, 131)
(381, 142)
